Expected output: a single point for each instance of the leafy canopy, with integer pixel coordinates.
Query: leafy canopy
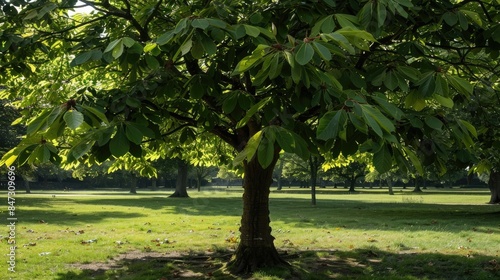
(315, 76)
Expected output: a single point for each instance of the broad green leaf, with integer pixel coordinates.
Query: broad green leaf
(322, 51)
(375, 114)
(304, 54)
(229, 103)
(81, 58)
(252, 111)
(450, 18)
(252, 60)
(73, 118)
(96, 112)
(472, 130)
(128, 42)
(152, 62)
(415, 101)
(251, 30)
(186, 47)
(38, 123)
(381, 13)
(414, 159)
(208, 45)
(165, 38)
(409, 72)
(150, 46)
(119, 144)
(346, 20)
(112, 45)
(118, 50)
(265, 153)
(356, 33)
(250, 149)
(330, 124)
(382, 159)
(200, 23)
(389, 108)
(461, 85)
(133, 134)
(81, 149)
(434, 123)
(196, 88)
(475, 17)
(445, 101)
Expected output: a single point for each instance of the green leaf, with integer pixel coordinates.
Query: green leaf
(381, 13)
(382, 159)
(370, 112)
(164, 38)
(450, 18)
(186, 47)
(346, 20)
(250, 149)
(389, 108)
(461, 85)
(81, 58)
(73, 118)
(331, 124)
(414, 159)
(322, 51)
(356, 33)
(196, 88)
(472, 130)
(409, 72)
(96, 112)
(434, 123)
(254, 109)
(133, 134)
(118, 50)
(265, 153)
(229, 103)
(128, 42)
(152, 62)
(445, 101)
(251, 30)
(81, 149)
(200, 23)
(252, 60)
(119, 144)
(208, 44)
(304, 54)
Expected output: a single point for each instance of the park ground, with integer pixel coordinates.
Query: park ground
(438, 234)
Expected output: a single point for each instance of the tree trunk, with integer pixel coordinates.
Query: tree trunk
(256, 248)
(353, 182)
(389, 183)
(417, 186)
(133, 184)
(494, 185)
(182, 180)
(313, 169)
(27, 185)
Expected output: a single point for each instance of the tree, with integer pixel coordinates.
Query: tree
(319, 77)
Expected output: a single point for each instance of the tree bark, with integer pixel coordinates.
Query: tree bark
(389, 183)
(133, 184)
(352, 185)
(256, 248)
(182, 180)
(27, 185)
(494, 185)
(313, 169)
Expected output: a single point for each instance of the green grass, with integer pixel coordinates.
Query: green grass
(446, 234)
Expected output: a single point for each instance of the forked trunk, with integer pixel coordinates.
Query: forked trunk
(181, 182)
(494, 185)
(256, 248)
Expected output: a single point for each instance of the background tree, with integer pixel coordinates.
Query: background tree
(263, 76)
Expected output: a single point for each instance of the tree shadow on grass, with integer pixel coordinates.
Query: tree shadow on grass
(305, 265)
(36, 216)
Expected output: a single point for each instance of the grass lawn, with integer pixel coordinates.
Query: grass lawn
(446, 234)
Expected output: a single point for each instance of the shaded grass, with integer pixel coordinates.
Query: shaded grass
(362, 236)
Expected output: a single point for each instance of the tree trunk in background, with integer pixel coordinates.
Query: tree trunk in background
(313, 169)
(416, 186)
(256, 248)
(154, 184)
(389, 183)
(133, 184)
(353, 183)
(494, 185)
(27, 185)
(181, 182)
